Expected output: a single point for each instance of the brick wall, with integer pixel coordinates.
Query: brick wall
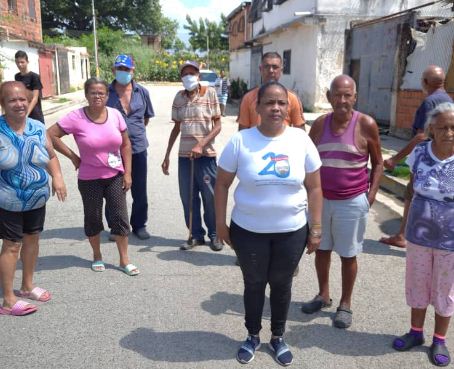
(21, 22)
(240, 29)
(408, 102)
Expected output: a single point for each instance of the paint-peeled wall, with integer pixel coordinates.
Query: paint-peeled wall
(330, 55)
(240, 61)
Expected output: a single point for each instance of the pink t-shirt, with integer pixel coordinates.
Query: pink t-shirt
(99, 144)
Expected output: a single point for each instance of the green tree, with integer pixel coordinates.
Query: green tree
(168, 32)
(179, 45)
(204, 29)
(141, 16)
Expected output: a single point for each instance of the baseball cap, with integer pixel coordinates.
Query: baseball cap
(124, 60)
(189, 63)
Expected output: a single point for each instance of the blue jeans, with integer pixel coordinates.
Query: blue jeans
(204, 180)
(139, 211)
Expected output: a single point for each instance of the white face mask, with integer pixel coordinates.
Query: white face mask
(190, 82)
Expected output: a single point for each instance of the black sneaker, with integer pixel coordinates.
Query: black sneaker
(142, 234)
(215, 244)
(191, 243)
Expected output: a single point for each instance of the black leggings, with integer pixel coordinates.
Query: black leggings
(93, 192)
(267, 258)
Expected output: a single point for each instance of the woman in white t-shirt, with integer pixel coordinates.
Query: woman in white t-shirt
(430, 235)
(279, 184)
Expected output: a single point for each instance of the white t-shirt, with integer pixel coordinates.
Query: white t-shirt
(270, 196)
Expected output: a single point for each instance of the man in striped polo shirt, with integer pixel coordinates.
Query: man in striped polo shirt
(196, 114)
(346, 140)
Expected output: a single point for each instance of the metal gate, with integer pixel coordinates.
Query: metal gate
(63, 70)
(46, 73)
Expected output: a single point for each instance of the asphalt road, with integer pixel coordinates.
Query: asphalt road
(185, 310)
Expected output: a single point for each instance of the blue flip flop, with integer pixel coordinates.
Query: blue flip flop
(98, 266)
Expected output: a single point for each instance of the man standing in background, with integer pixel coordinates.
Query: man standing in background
(133, 102)
(33, 83)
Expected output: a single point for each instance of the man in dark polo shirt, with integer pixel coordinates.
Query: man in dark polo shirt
(133, 101)
(32, 82)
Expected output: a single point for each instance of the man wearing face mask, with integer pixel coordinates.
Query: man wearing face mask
(133, 101)
(197, 115)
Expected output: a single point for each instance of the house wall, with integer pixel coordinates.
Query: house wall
(281, 14)
(22, 22)
(375, 8)
(303, 77)
(240, 61)
(240, 29)
(329, 55)
(8, 49)
(78, 73)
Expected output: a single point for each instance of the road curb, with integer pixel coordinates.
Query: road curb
(54, 109)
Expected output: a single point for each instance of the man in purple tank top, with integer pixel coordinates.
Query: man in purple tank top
(346, 140)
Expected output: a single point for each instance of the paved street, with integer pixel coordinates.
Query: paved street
(185, 310)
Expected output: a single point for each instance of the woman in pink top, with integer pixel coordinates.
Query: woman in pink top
(104, 164)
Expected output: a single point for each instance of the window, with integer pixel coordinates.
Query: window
(241, 25)
(31, 9)
(73, 61)
(287, 57)
(12, 5)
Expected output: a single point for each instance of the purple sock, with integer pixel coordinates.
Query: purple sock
(440, 359)
(417, 334)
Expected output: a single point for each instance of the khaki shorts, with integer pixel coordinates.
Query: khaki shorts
(344, 225)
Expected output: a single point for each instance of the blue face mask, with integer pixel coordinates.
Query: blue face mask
(123, 77)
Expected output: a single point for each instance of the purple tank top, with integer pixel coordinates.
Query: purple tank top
(344, 168)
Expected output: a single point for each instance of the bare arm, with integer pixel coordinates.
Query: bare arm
(34, 101)
(146, 121)
(54, 169)
(197, 150)
(56, 133)
(316, 130)
(126, 155)
(315, 203)
(173, 136)
(392, 162)
(224, 180)
(370, 132)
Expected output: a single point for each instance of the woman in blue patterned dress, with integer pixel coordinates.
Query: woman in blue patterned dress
(26, 160)
(429, 278)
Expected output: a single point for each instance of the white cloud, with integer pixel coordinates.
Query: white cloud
(176, 9)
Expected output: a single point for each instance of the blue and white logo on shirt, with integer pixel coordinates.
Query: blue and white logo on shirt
(278, 165)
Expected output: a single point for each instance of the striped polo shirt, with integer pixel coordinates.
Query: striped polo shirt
(344, 168)
(196, 118)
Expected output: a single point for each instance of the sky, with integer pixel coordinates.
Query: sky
(211, 9)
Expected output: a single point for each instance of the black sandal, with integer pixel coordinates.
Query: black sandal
(439, 349)
(409, 341)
